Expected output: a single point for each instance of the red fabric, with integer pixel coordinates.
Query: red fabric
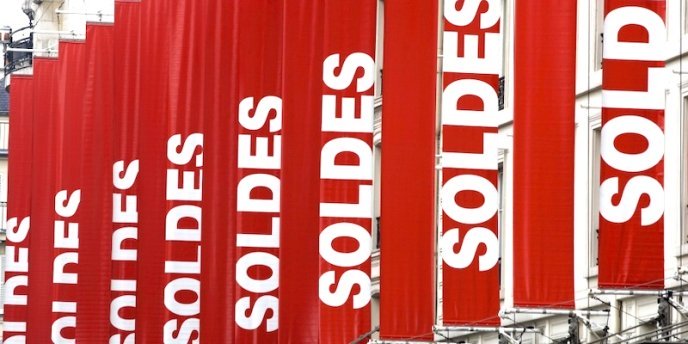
(218, 65)
(70, 192)
(350, 38)
(171, 147)
(314, 31)
(95, 225)
(47, 143)
(150, 310)
(299, 315)
(470, 295)
(125, 125)
(20, 171)
(631, 253)
(545, 60)
(407, 270)
(256, 257)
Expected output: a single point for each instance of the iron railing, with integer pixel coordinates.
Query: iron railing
(17, 60)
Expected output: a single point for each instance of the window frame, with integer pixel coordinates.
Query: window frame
(599, 35)
(595, 168)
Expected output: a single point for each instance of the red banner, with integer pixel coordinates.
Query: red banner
(346, 169)
(124, 172)
(258, 148)
(17, 248)
(151, 314)
(544, 86)
(69, 231)
(299, 313)
(171, 163)
(340, 46)
(469, 244)
(407, 263)
(47, 143)
(95, 225)
(632, 146)
(218, 68)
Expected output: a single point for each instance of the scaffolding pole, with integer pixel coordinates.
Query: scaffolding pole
(548, 311)
(678, 306)
(658, 332)
(380, 341)
(590, 325)
(509, 338)
(483, 329)
(625, 292)
(97, 13)
(365, 335)
(58, 33)
(24, 50)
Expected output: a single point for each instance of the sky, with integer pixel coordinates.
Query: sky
(12, 15)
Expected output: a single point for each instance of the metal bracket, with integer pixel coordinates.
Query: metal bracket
(503, 335)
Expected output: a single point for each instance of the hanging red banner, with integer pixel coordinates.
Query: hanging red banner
(124, 173)
(47, 145)
(544, 69)
(68, 211)
(217, 67)
(346, 169)
(258, 148)
(171, 168)
(299, 313)
(631, 251)
(151, 314)
(16, 303)
(408, 226)
(336, 115)
(469, 243)
(95, 147)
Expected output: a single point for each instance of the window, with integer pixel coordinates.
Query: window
(684, 15)
(505, 32)
(376, 194)
(595, 196)
(501, 189)
(375, 314)
(684, 175)
(379, 46)
(3, 261)
(598, 39)
(377, 156)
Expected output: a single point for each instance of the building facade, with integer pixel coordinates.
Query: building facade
(630, 318)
